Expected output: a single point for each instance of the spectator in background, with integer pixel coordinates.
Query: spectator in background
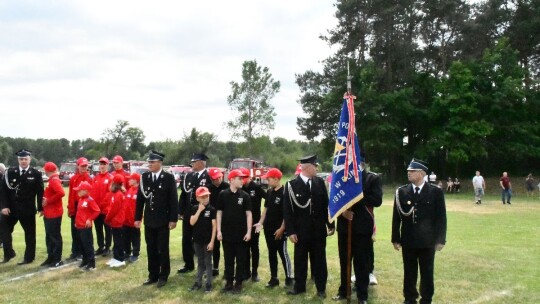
(479, 186)
(456, 186)
(506, 186)
(433, 178)
(449, 185)
(529, 182)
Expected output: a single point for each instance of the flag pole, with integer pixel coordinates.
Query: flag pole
(349, 222)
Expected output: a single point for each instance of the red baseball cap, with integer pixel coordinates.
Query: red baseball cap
(50, 167)
(83, 186)
(236, 173)
(117, 159)
(136, 176)
(118, 179)
(82, 161)
(201, 191)
(104, 160)
(214, 173)
(274, 173)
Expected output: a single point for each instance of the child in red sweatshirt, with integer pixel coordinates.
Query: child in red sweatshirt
(87, 211)
(132, 235)
(115, 219)
(52, 216)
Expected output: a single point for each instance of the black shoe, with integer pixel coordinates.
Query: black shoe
(339, 297)
(479, 202)
(149, 282)
(228, 287)
(9, 257)
(99, 251)
(289, 282)
(215, 272)
(83, 264)
(46, 262)
(89, 267)
(321, 294)
(255, 278)
(161, 283)
(106, 252)
(294, 292)
(409, 302)
(362, 301)
(509, 203)
(195, 287)
(272, 283)
(185, 270)
(56, 265)
(24, 262)
(237, 287)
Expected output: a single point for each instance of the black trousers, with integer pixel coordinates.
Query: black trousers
(28, 224)
(253, 255)
(216, 254)
(132, 241)
(235, 251)
(276, 247)
(53, 238)
(118, 248)
(76, 247)
(157, 248)
(87, 245)
(316, 250)
(103, 239)
(361, 249)
(187, 244)
(414, 258)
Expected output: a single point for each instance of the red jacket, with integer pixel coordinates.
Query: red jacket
(54, 194)
(74, 181)
(130, 205)
(125, 174)
(115, 217)
(102, 183)
(87, 209)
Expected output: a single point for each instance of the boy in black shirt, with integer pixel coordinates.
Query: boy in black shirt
(274, 229)
(234, 229)
(203, 221)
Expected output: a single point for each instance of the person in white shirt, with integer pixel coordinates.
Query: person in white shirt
(479, 186)
(433, 178)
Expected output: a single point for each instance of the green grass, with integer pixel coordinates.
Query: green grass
(491, 256)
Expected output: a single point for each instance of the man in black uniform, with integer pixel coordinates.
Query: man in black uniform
(21, 189)
(419, 229)
(197, 178)
(158, 198)
(362, 228)
(305, 211)
(216, 186)
(256, 194)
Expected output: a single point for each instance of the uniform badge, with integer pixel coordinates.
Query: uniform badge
(203, 182)
(14, 180)
(252, 193)
(207, 213)
(106, 181)
(84, 204)
(278, 199)
(408, 202)
(159, 186)
(240, 200)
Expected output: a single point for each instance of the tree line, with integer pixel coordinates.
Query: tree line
(451, 82)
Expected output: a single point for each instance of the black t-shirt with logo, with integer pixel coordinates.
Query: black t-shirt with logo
(256, 194)
(233, 219)
(202, 230)
(274, 210)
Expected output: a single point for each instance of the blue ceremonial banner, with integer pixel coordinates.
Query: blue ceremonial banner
(346, 183)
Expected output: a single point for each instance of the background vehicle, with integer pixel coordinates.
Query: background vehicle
(66, 171)
(256, 169)
(179, 172)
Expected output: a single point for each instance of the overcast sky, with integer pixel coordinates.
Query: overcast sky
(73, 68)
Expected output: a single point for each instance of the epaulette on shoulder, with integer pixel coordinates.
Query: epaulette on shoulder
(404, 186)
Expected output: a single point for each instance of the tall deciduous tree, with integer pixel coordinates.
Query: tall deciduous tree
(123, 139)
(250, 99)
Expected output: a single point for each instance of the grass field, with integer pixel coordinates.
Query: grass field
(491, 256)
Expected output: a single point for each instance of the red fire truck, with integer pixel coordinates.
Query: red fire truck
(256, 169)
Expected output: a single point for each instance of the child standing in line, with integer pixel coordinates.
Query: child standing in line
(132, 235)
(115, 218)
(87, 211)
(52, 216)
(204, 225)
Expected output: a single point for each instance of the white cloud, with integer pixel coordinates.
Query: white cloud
(165, 66)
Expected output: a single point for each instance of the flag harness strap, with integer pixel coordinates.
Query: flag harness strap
(398, 205)
(293, 199)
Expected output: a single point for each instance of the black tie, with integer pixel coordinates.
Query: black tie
(309, 183)
(153, 178)
(417, 190)
(23, 171)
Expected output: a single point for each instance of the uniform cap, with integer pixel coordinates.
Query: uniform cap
(23, 153)
(311, 159)
(273, 173)
(201, 191)
(83, 186)
(136, 176)
(418, 165)
(118, 159)
(50, 167)
(104, 160)
(155, 156)
(118, 179)
(214, 173)
(82, 161)
(198, 156)
(236, 173)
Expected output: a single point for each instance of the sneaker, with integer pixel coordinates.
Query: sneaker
(208, 288)
(117, 264)
(56, 265)
(372, 279)
(111, 261)
(89, 268)
(509, 203)
(196, 286)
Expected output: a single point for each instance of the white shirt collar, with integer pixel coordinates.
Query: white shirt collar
(21, 168)
(421, 186)
(157, 174)
(304, 178)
